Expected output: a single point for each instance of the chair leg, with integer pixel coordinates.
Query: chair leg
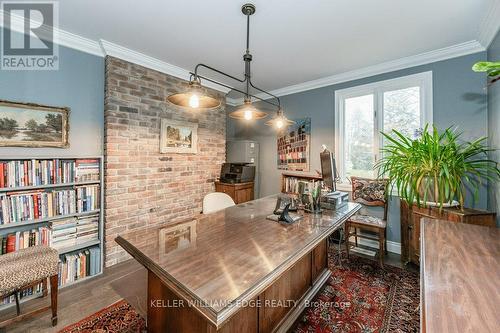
(18, 308)
(381, 242)
(44, 287)
(53, 298)
(356, 236)
(346, 238)
(385, 241)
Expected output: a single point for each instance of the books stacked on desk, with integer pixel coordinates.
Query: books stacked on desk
(79, 265)
(24, 206)
(296, 185)
(24, 239)
(87, 170)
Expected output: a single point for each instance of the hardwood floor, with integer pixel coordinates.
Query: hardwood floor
(126, 280)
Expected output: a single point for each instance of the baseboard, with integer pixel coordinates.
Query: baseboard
(393, 247)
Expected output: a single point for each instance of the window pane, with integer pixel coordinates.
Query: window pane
(358, 137)
(402, 111)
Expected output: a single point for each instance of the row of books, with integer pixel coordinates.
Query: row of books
(22, 294)
(74, 231)
(34, 172)
(23, 239)
(76, 266)
(25, 206)
(296, 185)
(61, 234)
(72, 267)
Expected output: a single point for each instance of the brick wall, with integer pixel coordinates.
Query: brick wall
(142, 186)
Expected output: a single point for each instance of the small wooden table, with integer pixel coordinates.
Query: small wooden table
(234, 270)
(239, 192)
(460, 274)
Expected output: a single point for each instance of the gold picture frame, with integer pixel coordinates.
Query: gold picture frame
(178, 137)
(33, 125)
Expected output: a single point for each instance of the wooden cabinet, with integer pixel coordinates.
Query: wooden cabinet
(240, 192)
(411, 218)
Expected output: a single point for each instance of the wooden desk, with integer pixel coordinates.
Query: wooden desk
(233, 270)
(460, 277)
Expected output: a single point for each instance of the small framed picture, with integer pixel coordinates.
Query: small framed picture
(178, 137)
(33, 125)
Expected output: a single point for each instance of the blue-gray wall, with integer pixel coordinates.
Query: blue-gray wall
(459, 99)
(494, 127)
(79, 85)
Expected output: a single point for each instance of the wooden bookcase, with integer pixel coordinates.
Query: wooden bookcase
(13, 227)
(292, 177)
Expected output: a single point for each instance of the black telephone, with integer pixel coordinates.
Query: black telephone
(281, 203)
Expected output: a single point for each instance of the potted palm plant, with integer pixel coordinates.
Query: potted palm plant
(436, 168)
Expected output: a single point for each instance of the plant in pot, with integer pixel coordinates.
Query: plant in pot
(436, 168)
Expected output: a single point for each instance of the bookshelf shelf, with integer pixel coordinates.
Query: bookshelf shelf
(289, 180)
(63, 169)
(47, 219)
(77, 247)
(41, 187)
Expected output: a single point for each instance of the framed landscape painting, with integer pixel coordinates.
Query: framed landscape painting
(178, 137)
(33, 125)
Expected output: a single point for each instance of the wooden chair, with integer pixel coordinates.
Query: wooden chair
(369, 192)
(27, 268)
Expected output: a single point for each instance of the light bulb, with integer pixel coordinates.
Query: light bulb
(194, 101)
(279, 123)
(248, 115)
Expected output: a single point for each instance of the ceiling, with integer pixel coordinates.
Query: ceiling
(291, 41)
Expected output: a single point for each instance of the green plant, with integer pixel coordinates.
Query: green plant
(491, 68)
(435, 166)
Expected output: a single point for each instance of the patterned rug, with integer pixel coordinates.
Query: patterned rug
(116, 318)
(359, 297)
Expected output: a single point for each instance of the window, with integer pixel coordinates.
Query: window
(362, 112)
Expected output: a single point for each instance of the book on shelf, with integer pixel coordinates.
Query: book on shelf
(297, 185)
(24, 239)
(76, 266)
(33, 205)
(59, 235)
(37, 172)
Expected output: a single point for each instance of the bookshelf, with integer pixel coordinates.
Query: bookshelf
(75, 187)
(289, 181)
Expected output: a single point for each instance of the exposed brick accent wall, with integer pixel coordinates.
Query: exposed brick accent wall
(142, 186)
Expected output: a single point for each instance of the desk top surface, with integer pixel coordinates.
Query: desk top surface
(460, 272)
(229, 256)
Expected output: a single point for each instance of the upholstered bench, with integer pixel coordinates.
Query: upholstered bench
(27, 268)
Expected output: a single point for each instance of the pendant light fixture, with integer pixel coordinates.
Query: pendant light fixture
(196, 97)
(280, 122)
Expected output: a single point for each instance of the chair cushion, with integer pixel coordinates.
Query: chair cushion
(368, 220)
(25, 266)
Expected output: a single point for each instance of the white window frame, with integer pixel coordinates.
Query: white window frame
(422, 80)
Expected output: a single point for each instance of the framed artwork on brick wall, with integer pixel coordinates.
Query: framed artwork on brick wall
(178, 137)
(33, 125)
(294, 146)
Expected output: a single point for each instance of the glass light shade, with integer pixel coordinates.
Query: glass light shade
(247, 112)
(280, 122)
(194, 97)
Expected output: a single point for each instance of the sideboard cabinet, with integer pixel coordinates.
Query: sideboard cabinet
(411, 218)
(240, 192)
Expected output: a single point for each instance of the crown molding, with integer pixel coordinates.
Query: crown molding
(490, 25)
(453, 51)
(118, 51)
(61, 37)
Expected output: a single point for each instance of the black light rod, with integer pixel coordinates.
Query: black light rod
(215, 70)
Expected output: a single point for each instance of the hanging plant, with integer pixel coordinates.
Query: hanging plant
(491, 68)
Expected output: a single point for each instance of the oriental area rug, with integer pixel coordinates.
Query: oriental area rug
(358, 297)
